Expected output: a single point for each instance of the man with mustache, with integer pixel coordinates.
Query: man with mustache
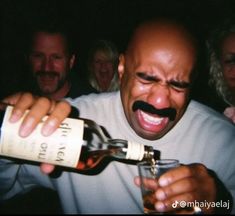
(50, 58)
(153, 107)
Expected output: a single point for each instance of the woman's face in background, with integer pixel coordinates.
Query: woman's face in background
(228, 60)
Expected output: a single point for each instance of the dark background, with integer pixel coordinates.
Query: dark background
(90, 19)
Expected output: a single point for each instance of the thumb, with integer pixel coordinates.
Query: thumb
(47, 168)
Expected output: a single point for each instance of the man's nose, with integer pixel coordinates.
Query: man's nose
(47, 64)
(159, 96)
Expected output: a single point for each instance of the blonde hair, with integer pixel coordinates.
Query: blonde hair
(111, 51)
(214, 43)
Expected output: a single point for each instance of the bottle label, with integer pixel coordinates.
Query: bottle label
(62, 148)
(135, 151)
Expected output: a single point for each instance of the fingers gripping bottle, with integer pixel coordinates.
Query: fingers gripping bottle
(69, 145)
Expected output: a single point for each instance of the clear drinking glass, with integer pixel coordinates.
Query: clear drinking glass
(152, 171)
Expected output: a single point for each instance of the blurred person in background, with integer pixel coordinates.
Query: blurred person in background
(50, 57)
(102, 65)
(221, 49)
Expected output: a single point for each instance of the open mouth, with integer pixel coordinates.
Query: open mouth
(151, 122)
(151, 119)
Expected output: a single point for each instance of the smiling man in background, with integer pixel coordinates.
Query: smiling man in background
(50, 57)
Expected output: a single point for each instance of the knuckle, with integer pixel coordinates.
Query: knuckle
(187, 170)
(168, 191)
(27, 95)
(61, 110)
(201, 167)
(190, 184)
(43, 101)
(64, 107)
(197, 169)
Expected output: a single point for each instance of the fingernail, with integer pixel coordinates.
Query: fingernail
(160, 206)
(15, 116)
(26, 128)
(163, 182)
(160, 195)
(49, 127)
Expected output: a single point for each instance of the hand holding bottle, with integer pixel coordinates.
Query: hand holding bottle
(39, 107)
(73, 142)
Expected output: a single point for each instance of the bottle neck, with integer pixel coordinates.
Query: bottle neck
(137, 151)
(148, 152)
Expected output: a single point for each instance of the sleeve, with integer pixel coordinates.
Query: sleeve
(20, 178)
(8, 179)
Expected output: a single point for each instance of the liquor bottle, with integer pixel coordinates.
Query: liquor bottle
(78, 143)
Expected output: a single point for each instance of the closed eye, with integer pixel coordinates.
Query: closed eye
(145, 77)
(230, 61)
(179, 85)
(176, 85)
(57, 57)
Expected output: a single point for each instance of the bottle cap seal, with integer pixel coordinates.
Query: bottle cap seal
(135, 151)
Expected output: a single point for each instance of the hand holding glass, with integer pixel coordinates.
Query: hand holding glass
(150, 171)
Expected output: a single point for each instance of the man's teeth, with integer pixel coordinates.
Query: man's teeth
(150, 119)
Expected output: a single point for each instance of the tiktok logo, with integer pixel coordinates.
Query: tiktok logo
(174, 204)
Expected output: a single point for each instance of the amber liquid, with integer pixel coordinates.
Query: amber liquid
(90, 159)
(149, 198)
(148, 201)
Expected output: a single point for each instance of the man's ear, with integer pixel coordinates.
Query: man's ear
(121, 66)
(71, 61)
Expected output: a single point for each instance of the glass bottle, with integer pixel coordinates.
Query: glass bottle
(77, 143)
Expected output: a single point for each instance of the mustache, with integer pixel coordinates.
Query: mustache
(49, 74)
(166, 112)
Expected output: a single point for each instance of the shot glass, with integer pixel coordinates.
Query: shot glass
(149, 171)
